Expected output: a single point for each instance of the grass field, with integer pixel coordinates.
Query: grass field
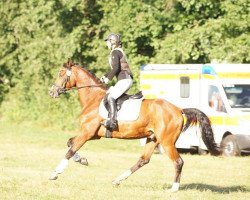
(29, 155)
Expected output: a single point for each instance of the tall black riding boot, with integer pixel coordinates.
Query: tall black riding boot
(111, 123)
(112, 114)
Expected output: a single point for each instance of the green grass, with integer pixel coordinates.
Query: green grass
(29, 155)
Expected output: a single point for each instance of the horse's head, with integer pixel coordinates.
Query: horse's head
(65, 80)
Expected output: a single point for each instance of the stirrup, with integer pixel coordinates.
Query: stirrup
(113, 125)
(110, 124)
(106, 123)
(110, 127)
(108, 133)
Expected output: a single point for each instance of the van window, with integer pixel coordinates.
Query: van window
(238, 95)
(215, 100)
(185, 87)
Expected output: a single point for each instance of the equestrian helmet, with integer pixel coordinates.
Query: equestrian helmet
(114, 38)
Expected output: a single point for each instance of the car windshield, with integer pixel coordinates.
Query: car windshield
(238, 95)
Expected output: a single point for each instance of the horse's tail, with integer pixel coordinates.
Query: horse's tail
(195, 116)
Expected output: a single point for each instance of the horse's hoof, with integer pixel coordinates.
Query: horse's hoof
(175, 187)
(174, 190)
(84, 161)
(116, 183)
(53, 176)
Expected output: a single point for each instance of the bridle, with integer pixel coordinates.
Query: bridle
(63, 89)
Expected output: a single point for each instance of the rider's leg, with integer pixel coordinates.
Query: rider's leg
(119, 88)
(112, 122)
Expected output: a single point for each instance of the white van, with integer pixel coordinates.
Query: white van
(221, 91)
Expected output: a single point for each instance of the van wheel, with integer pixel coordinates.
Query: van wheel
(229, 146)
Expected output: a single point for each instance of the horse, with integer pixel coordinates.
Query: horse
(159, 121)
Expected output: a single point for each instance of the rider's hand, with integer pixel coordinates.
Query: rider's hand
(104, 79)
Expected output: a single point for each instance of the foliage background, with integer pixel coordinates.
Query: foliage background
(37, 36)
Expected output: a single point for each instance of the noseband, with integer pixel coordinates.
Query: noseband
(63, 89)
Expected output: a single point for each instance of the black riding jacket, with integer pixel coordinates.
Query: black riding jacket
(119, 65)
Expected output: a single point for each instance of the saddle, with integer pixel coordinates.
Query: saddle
(127, 107)
(121, 99)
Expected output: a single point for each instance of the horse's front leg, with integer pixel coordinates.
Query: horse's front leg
(90, 125)
(75, 144)
(77, 157)
(80, 159)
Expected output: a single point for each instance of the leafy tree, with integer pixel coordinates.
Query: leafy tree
(224, 36)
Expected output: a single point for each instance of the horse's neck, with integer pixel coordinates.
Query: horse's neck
(90, 96)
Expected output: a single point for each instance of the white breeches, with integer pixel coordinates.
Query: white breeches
(120, 87)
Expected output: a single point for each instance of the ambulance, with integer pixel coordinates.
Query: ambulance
(221, 91)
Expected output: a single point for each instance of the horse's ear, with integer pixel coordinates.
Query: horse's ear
(69, 63)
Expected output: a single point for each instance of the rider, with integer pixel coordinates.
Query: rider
(119, 68)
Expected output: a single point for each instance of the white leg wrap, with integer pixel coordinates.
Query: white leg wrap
(53, 176)
(61, 167)
(122, 177)
(175, 187)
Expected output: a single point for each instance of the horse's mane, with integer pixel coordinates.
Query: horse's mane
(91, 73)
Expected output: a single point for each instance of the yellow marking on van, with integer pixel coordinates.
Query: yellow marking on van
(222, 75)
(168, 76)
(236, 75)
(145, 86)
(208, 76)
(224, 120)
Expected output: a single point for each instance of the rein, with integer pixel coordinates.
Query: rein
(77, 88)
(64, 90)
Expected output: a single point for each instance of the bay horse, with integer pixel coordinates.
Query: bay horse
(159, 121)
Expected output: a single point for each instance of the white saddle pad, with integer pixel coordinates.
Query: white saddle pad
(129, 111)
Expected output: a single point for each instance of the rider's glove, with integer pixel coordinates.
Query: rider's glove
(104, 79)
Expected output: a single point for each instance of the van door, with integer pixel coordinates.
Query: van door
(216, 111)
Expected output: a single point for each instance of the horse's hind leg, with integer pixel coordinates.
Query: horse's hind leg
(144, 159)
(178, 164)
